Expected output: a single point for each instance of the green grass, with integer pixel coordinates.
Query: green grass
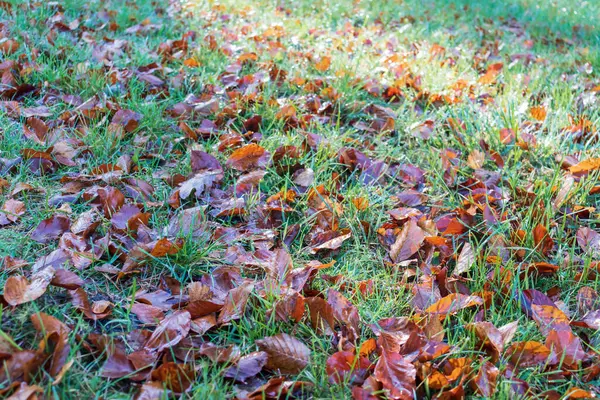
(360, 37)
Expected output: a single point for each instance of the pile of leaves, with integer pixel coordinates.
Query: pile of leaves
(195, 226)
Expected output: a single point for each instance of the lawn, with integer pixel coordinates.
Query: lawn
(330, 199)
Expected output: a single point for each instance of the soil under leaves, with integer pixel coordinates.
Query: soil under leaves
(249, 200)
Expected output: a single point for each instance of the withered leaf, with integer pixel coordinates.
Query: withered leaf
(321, 315)
(530, 353)
(396, 375)
(175, 377)
(171, 330)
(484, 383)
(347, 366)
(585, 166)
(51, 229)
(408, 242)
(235, 303)
(543, 241)
(287, 354)
(11, 211)
(18, 290)
(465, 260)
(249, 157)
(58, 333)
(453, 303)
(66, 279)
(147, 313)
(247, 366)
(345, 313)
(128, 119)
(98, 310)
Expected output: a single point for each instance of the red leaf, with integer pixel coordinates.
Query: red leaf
(345, 366)
(321, 315)
(396, 375)
(567, 347)
(484, 383)
(345, 313)
(490, 338)
(290, 307)
(395, 333)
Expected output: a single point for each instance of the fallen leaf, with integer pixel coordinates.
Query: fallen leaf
(323, 64)
(170, 331)
(247, 366)
(51, 229)
(287, 354)
(396, 375)
(408, 242)
(529, 354)
(585, 167)
(17, 290)
(249, 157)
(235, 303)
(453, 303)
(346, 366)
(465, 260)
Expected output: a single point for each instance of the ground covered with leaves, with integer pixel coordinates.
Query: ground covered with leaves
(273, 200)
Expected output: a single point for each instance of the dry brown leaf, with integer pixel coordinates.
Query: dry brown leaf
(18, 290)
(287, 354)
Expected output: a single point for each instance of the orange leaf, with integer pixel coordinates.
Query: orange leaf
(492, 72)
(538, 112)
(528, 354)
(323, 64)
(191, 62)
(584, 167)
(453, 303)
